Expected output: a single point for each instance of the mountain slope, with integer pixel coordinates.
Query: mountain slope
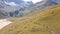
(21, 8)
(46, 21)
(38, 6)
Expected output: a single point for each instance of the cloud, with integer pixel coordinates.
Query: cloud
(11, 3)
(34, 1)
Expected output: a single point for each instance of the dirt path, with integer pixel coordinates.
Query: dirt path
(4, 22)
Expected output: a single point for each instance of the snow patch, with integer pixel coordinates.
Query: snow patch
(4, 22)
(11, 3)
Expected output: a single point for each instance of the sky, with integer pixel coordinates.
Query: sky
(34, 1)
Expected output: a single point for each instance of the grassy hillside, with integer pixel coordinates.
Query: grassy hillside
(46, 21)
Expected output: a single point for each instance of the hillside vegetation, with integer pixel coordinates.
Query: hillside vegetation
(46, 21)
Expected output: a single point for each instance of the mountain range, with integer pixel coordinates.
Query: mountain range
(19, 8)
(36, 7)
(10, 6)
